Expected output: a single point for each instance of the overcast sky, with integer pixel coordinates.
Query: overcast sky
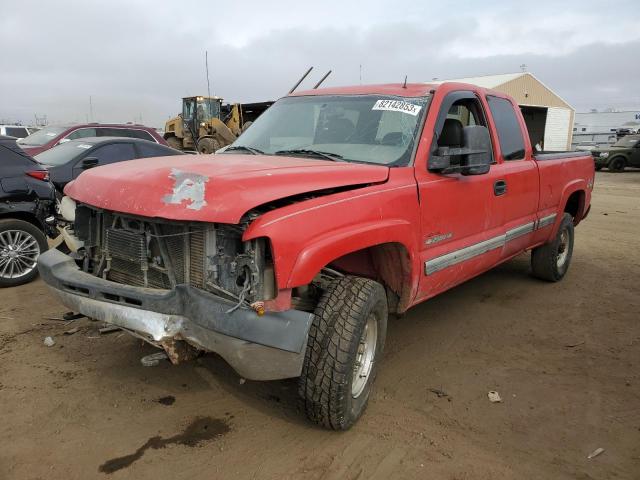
(136, 59)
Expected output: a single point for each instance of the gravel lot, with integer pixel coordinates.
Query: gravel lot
(564, 358)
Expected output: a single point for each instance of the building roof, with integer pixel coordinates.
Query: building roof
(518, 85)
(485, 81)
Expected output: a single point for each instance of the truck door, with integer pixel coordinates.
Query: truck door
(462, 226)
(518, 172)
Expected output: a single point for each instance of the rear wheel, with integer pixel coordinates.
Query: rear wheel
(20, 246)
(551, 261)
(617, 164)
(208, 145)
(345, 345)
(174, 142)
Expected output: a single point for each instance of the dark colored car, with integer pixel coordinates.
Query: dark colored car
(27, 198)
(49, 137)
(68, 160)
(624, 153)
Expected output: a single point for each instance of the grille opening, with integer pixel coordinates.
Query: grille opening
(110, 296)
(73, 288)
(132, 301)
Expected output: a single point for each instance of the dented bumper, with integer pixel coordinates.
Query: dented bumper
(265, 347)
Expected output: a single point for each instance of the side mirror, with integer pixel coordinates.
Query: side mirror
(475, 156)
(89, 162)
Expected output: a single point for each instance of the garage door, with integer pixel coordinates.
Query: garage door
(557, 129)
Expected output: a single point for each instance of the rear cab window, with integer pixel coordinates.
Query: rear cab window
(510, 135)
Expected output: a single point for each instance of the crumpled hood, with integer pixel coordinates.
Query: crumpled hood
(211, 188)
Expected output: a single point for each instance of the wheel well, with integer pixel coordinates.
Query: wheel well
(387, 263)
(575, 206)
(25, 216)
(622, 157)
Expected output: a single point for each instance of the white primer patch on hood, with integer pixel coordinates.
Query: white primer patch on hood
(187, 187)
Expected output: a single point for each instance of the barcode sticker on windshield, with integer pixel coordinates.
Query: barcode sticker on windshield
(397, 106)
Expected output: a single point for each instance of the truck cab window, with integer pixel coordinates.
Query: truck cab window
(462, 113)
(508, 127)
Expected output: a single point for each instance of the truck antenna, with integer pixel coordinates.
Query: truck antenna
(322, 79)
(405, 82)
(300, 81)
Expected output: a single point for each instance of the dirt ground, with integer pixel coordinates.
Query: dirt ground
(564, 357)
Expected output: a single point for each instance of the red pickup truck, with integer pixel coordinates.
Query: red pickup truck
(286, 253)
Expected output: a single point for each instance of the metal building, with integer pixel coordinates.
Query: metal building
(549, 118)
(601, 128)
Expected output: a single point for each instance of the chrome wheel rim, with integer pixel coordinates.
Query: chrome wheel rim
(563, 249)
(365, 356)
(19, 252)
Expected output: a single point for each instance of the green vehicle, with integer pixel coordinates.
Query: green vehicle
(624, 153)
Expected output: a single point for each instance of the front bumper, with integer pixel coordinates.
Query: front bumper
(265, 347)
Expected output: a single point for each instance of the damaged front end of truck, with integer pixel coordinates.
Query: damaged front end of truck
(183, 287)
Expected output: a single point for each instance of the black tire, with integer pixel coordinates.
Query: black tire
(327, 386)
(207, 146)
(11, 228)
(551, 261)
(174, 142)
(617, 164)
(598, 168)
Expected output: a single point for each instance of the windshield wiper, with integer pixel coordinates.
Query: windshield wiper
(251, 150)
(334, 157)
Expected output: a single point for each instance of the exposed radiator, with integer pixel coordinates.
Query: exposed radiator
(128, 251)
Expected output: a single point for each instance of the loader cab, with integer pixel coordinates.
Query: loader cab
(197, 111)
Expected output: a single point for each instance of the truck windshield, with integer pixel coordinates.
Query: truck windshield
(359, 128)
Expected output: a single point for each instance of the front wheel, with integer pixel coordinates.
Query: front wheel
(20, 245)
(551, 261)
(345, 345)
(617, 164)
(207, 146)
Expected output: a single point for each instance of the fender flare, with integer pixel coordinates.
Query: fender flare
(337, 243)
(578, 185)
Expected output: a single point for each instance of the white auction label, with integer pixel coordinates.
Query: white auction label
(397, 106)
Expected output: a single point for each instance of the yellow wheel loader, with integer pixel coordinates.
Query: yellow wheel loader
(206, 124)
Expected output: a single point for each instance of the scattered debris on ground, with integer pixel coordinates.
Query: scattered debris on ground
(494, 397)
(439, 393)
(153, 359)
(595, 453)
(71, 331)
(109, 329)
(49, 341)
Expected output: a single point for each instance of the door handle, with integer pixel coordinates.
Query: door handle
(499, 188)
